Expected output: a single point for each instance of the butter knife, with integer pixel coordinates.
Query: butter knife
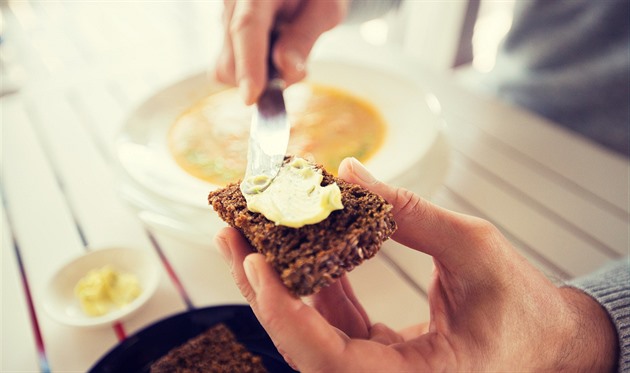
(268, 134)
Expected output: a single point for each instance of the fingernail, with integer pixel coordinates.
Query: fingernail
(295, 60)
(252, 275)
(224, 249)
(361, 172)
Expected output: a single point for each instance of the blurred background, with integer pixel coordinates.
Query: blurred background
(59, 42)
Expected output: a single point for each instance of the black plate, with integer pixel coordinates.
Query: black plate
(139, 351)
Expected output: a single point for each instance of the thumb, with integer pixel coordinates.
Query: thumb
(302, 335)
(443, 234)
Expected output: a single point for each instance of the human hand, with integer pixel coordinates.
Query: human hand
(248, 24)
(490, 309)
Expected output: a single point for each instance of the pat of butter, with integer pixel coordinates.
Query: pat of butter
(104, 289)
(295, 197)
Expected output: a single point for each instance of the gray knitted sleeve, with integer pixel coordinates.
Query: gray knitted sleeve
(610, 286)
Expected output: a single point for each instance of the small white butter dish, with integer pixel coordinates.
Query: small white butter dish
(61, 303)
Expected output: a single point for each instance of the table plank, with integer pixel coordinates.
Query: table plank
(87, 178)
(545, 192)
(204, 274)
(415, 264)
(105, 221)
(579, 162)
(18, 351)
(386, 296)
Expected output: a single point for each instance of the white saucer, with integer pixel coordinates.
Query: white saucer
(63, 306)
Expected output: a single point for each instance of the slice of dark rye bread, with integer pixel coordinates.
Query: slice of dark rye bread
(214, 351)
(313, 256)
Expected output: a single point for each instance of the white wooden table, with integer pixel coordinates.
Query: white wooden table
(72, 72)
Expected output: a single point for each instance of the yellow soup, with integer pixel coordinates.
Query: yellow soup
(210, 139)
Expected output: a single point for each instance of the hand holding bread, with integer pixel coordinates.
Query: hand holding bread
(490, 309)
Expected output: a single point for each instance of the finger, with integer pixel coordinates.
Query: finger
(236, 252)
(447, 236)
(224, 67)
(340, 307)
(250, 28)
(297, 329)
(234, 248)
(297, 38)
(347, 288)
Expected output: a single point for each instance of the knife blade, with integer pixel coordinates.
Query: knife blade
(268, 134)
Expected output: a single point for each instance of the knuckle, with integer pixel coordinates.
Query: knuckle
(243, 286)
(406, 203)
(480, 225)
(480, 233)
(269, 319)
